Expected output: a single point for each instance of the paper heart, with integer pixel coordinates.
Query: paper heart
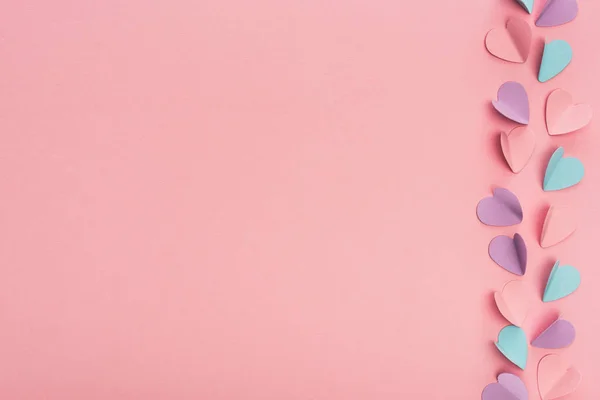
(513, 102)
(509, 387)
(562, 173)
(526, 4)
(502, 209)
(557, 12)
(559, 224)
(512, 43)
(557, 55)
(556, 377)
(562, 282)
(513, 302)
(562, 116)
(517, 147)
(560, 334)
(512, 343)
(509, 253)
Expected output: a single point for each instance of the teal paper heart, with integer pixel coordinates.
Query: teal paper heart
(512, 343)
(526, 4)
(557, 55)
(562, 282)
(562, 173)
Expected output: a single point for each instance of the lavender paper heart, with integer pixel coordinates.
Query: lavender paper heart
(557, 12)
(502, 209)
(509, 387)
(557, 336)
(513, 102)
(509, 253)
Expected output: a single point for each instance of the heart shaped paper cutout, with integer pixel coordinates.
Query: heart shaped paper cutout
(502, 209)
(512, 343)
(526, 4)
(557, 55)
(509, 387)
(560, 223)
(509, 253)
(562, 173)
(557, 12)
(513, 102)
(514, 302)
(562, 116)
(560, 334)
(511, 43)
(517, 147)
(556, 377)
(563, 281)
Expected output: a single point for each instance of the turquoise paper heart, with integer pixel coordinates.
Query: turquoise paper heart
(562, 173)
(512, 343)
(562, 282)
(557, 55)
(526, 4)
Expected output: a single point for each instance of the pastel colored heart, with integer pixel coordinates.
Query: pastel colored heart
(514, 302)
(557, 55)
(562, 116)
(557, 377)
(517, 147)
(508, 387)
(511, 43)
(560, 334)
(509, 253)
(562, 173)
(502, 209)
(563, 281)
(526, 4)
(557, 12)
(559, 224)
(513, 102)
(512, 343)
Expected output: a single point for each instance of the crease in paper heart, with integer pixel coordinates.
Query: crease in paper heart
(557, 55)
(562, 172)
(513, 102)
(514, 302)
(557, 12)
(511, 43)
(556, 377)
(502, 209)
(508, 387)
(517, 147)
(560, 334)
(559, 224)
(512, 343)
(563, 281)
(562, 116)
(526, 4)
(509, 253)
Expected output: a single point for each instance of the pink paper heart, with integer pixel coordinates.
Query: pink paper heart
(556, 377)
(559, 224)
(512, 43)
(562, 116)
(517, 147)
(514, 302)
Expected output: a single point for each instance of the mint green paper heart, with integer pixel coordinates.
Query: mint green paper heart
(562, 282)
(562, 173)
(512, 343)
(557, 55)
(526, 4)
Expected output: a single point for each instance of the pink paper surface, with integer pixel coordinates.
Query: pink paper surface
(273, 200)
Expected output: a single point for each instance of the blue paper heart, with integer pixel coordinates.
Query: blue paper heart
(562, 282)
(512, 343)
(526, 4)
(562, 173)
(557, 55)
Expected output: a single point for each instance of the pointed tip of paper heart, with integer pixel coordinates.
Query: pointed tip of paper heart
(559, 224)
(560, 334)
(556, 57)
(557, 12)
(526, 4)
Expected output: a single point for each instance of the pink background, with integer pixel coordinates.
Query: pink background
(272, 199)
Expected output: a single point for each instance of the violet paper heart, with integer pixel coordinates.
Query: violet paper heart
(560, 334)
(557, 12)
(502, 209)
(509, 253)
(509, 387)
(513, 102)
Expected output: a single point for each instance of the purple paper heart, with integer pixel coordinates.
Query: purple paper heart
(503, 209)
(509, 253)
(513, 102)
(558, 335)
(509, 387)
(557, 12)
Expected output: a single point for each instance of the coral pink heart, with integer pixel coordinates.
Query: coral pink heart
(562, 116)
(510, 44)
(556, 377)
(517, 147)
(559, 224)
(514, 302)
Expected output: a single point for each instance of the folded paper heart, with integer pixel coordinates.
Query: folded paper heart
(512, 43)
(559, 224)
(508, 387)
(512, 343)
(509, 253)
(557, 12)
(556, 377)
(526, 4)
(514, 302)
(560, 334)
(563, 281)
(513, 102)
(562, 173)
(502, 209)
(557, 55)
(562, 116)
(517, 147)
